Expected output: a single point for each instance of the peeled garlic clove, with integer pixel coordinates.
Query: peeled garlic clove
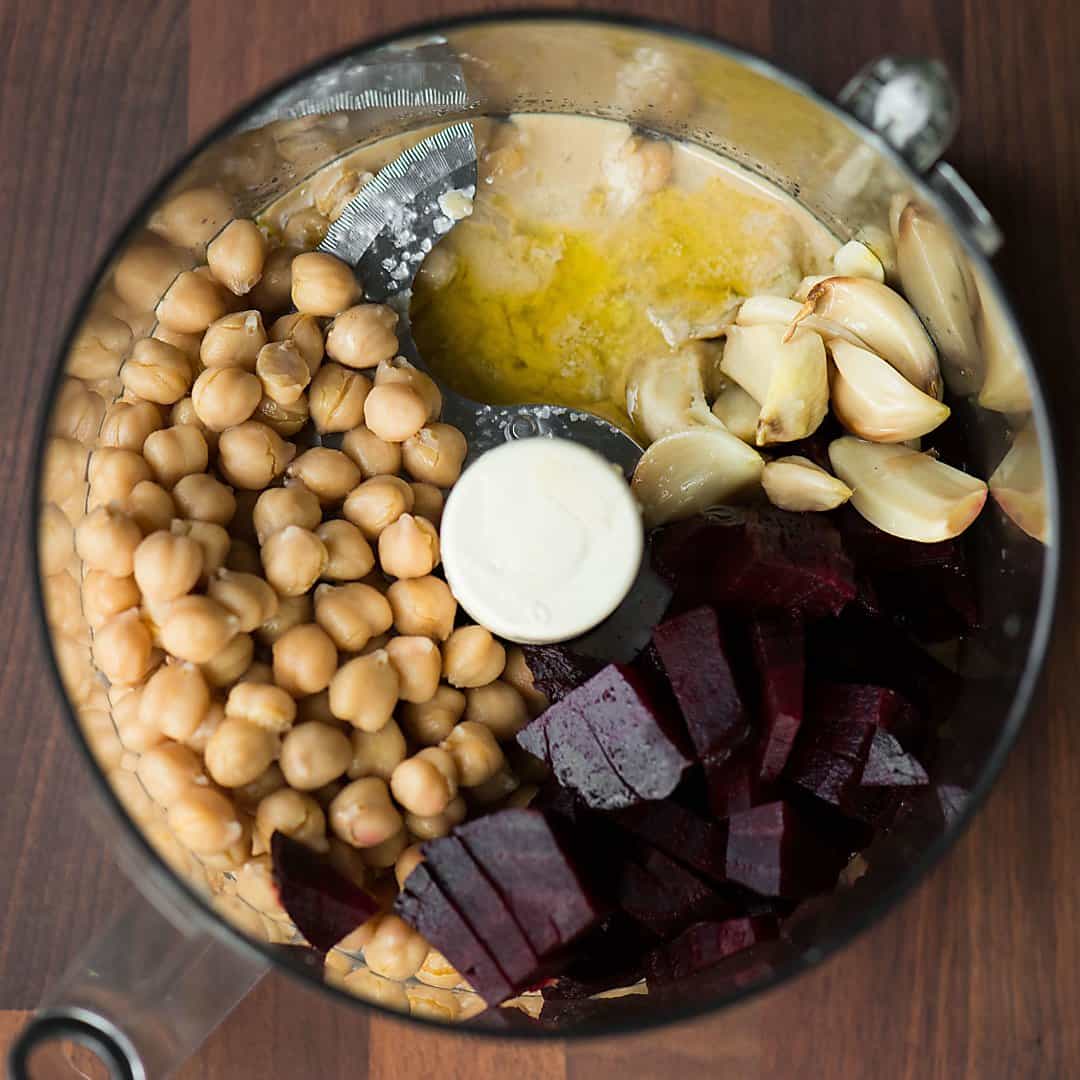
(1005, 387)
(937, 282)
(738, 412)
(1018, 486)
(802, 290)
(884, 321)
(796, 483)
(874, 401)
(788, 377)
(665, 394)
(773, 310)
(685, 473)
(881, 243)
(855, 259)
(906, 493)
(680, 323)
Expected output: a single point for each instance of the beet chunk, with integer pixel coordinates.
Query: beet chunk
(556, 670)
(705, 944)
(779, 652)
(866, 704)
(830, 756)
(663, 896)
(612, 954)
(889, 765)
(607, 742)
(324, 904)
(680, 833)
(732, 784)
(699, 671)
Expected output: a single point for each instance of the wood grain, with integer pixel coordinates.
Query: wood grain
(977, 975)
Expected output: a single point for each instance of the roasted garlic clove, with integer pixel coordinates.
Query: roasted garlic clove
(683, 322)
(687, 472)
(855, 259)
(1006, 387)
(884, 321)
(937, 282)
(738, 412)
(1018, 486)
(788, 377)
(665, 394)
(796, 483)
(778, 310)
(906, 493)
(874, 401)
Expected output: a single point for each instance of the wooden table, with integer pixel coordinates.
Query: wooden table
(979, 974)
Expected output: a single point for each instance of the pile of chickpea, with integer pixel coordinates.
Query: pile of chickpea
(272, 646)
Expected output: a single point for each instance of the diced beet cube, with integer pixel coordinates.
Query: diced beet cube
(424, 906)
(657, 892)
(830, 756)
(680, 833)
(889, 765)
(705, 945)
(556, 670)
(780, 655)
(866, 704)
(770, 851)
(731, 783)
(324, 904)
(524, 860)
(699, 671)
(607, 742)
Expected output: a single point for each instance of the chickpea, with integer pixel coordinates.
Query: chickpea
(277, 508)
(126, 424)
(427, 502)
(418, 664)
(213, 539)
(205, 498)
(518, 675)
(238, 752)
(63, 609)
(429, 722)
(188, 344)
(322, 284)
(191, 218)
(314, 754)
(99, 347)
(113, 474)
(372, 455)
(167, 566)
(337, 397)
(64, 469)
(106, 539)
(157, 372)
(150, 506)
(293, 559)
(255, 886)
(261, 704)
(56, 540)
(266, 783)
(135, 734)
(273, 293)
(292, 611)
(196, 628)
(282, 371)
(243, 558)
(305, 333)
(123, 647)
(236, 256)
(100, 732)
(260, 673)
(386, 993)
(472, 657)
(204, 821)
(329, 473)
(191, 303)
(499, 707)
(305, 660)
(248, 597)
(78, 412)
(146, 269)
(348, 554)
(377, 753)
(383, 856)
(395, 412)
(431, 828)
(175, 700)
(364, 691)
(174, 452)
(352, 614)
(475, 752)
(104, 596)
(377, 503)
(224, 397)
(435, 455)
(424, 784)
(231, 663)
(396, 369)
(168, 770)
(423, 607)
(406, 863)
(251, 455)
(362, 814)
(183, 414)
(286, 420)
(234, 340)
(409, 547)
(363, 336)
(292, 813)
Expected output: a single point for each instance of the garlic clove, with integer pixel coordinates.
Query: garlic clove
(1018, 486)
(772, 310)
(796, 483)
(855, 259)
(884, 321)
(789, 378)
(802, 290)
(666, 393)
(1006, 387)
(906, 493)
(874, 401)
(684, 473)
(881, 243)
(683, 322)
(738, 412)
(937, 281)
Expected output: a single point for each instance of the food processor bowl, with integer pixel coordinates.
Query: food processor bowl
(146, 992)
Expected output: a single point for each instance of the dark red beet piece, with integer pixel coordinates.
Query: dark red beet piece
(658, 893)
(830, 756)
(526, 863)
(324, 904)
(705, 945)
(556, 670)
(779, 652)
(889, 765)
(731, 783)
(698, 669)
(680, 833)
(609, 955)
(866, 704)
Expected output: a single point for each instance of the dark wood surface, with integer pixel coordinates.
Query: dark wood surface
(978, 975)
